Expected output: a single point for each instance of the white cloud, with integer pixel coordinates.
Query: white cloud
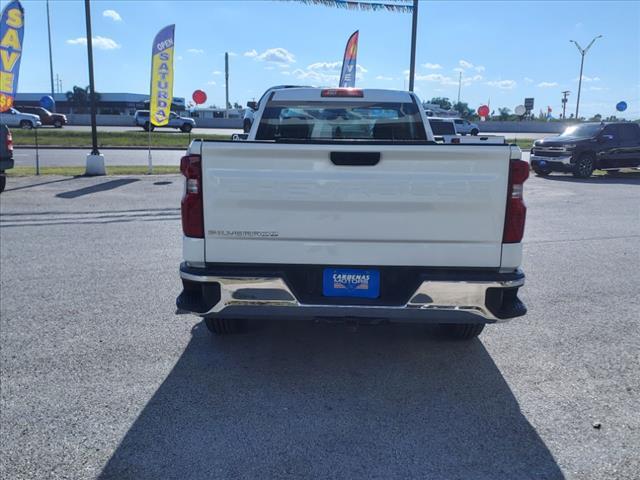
(432, 66)
(465, 64)
(232, 54)
(503, 84)
(597, 89)
(286, 72)
(480, 68)
(445, 79)
(178, 57)
(269, 67)
(528, 80)
(211, 82)
(547, 84)
(382, 77)
(458, 69)
(195, 51)
(332, 67)
(315, 76)
(279, 56)
(113, 15)
(587, 79)
(102, 43)
(216, 72)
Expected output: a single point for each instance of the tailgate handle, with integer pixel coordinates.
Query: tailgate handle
(358, 159)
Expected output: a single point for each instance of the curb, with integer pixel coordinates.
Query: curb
(62, 147)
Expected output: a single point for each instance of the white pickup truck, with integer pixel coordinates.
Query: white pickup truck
(341, 205)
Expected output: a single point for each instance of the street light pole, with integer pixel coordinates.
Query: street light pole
(583, 52)
(95, 161)
(459, 86)
(414, 31)
(50, 54)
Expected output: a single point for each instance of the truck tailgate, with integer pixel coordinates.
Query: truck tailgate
(426, 205)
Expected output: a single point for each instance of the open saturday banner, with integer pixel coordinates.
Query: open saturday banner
(162, 77)
(348, 75)
(11, 34)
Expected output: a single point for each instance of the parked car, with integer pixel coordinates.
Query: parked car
(464, 127)
(46, 117)
(252, 107)
(13, 118)
(583, 148)
(185, 124)
(6, 154)
(339, 205)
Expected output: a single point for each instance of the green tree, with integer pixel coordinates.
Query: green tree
(442, 102)
(79, 99)
(596, 118)
(504, 113)
(463, 109)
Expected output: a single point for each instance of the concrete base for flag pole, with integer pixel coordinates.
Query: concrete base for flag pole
(95, 165)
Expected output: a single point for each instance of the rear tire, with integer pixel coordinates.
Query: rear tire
(584, 166)
(226, 326)
(26, 125)
(186, 128)
(463, 331)
(475, 132)
(147, 126)
(3, 182)
(57, 124)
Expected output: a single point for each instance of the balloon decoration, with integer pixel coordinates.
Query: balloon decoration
(199, 97)
(483, 111)
(48, 102)
(621, 106)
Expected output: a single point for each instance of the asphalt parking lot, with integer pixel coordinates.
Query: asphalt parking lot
(100, 377)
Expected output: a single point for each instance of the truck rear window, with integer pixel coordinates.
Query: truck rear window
(324, 120)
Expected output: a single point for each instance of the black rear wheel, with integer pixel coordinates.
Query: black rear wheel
(57, 124)
(147, 126)
(3, 181)
(226, 326)
(26, 124)
(474, 132)
(463, 331)
(186, 128)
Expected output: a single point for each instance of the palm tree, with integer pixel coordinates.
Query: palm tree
(79, 99)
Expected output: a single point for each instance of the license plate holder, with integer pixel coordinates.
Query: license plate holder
(351, 282)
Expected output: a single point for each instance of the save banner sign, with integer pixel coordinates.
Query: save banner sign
(161, 77)
(11, 34)
(348, 74)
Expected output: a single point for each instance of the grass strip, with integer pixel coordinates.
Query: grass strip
(134, 138)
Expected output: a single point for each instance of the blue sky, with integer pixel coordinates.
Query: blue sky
(507, 50)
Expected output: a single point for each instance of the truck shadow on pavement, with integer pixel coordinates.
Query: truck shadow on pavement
(301, 400)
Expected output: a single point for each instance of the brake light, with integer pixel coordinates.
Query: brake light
(191, 205)
(9, 142)
(342, 92)
(516, 211)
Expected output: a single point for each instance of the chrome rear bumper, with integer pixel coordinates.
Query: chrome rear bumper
(252, 296)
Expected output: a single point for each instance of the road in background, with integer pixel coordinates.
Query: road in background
(104, 128)
(58, 157)
(51, 157)
(100, 376)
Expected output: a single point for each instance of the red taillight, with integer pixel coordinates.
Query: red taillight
(191, 205)
(516, 212)
(9, 142)
(341, 92)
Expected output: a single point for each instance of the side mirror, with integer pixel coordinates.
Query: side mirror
(252, 105)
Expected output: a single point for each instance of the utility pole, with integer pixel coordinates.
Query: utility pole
(583, 52)
(95, 161)
(565, 94)
(226, 84)
(459, 86)
(414, 31)
(50, 55)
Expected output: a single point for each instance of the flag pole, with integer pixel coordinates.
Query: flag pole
(150, 167)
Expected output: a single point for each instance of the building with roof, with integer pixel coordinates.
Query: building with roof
(109, 103)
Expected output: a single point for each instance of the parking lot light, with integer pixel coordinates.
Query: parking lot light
(583, 52)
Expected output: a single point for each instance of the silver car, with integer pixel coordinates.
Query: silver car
(13, 118)
(185, 124)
